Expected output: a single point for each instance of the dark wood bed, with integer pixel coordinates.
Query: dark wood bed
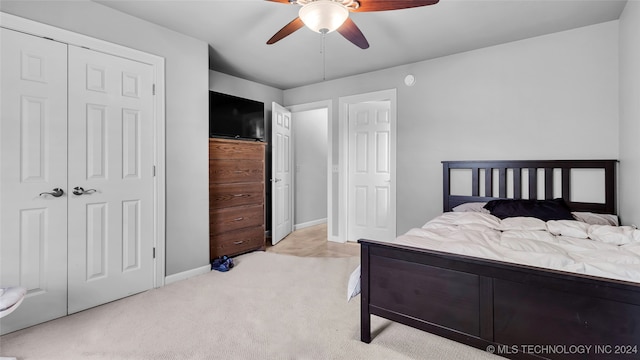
(511, 309)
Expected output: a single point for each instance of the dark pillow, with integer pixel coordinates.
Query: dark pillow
(544, 210)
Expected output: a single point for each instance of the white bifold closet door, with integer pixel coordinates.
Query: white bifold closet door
(111, 159)
(33, 160)
(93, 244)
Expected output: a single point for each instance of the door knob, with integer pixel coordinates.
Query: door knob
(57, 192)
(80, 191)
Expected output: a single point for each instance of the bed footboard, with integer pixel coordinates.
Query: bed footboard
(523, 312)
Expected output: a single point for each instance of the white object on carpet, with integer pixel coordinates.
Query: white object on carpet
(353, 287)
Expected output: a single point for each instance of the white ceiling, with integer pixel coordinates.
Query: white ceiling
(237, 31)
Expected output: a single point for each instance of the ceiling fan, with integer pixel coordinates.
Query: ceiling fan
(325, 16)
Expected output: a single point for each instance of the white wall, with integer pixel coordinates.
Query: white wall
(310, 159)
(549, 97)
(187, 129)
(629, 194)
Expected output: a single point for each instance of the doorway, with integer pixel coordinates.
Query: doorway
(314, 171)
(310, 166)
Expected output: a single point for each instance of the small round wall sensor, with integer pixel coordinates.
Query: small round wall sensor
(409, 80)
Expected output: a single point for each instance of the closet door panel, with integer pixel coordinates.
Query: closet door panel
(33, 162)
(111, 165)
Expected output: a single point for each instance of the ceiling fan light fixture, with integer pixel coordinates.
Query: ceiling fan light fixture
(323, 16)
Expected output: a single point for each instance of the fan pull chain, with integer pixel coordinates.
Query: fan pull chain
(324, 58)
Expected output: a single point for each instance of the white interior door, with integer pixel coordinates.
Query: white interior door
(281, 181)
(371, 199)
(33, 160)
(111, 131)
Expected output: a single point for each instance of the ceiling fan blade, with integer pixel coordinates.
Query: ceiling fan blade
(383, 5)
(282, 1)
(352, 33)
(286, 30)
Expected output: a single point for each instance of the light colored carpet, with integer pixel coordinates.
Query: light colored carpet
(270, 306)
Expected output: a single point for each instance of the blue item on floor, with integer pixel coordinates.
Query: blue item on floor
(223, 263)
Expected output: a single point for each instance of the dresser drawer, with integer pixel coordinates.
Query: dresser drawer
(234, 149)
(228, 195)
(236, 242)
(233, 171)
(229, 219)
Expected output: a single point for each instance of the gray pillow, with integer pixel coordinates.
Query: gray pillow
(472, 207)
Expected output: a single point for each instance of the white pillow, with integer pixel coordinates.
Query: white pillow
(471, 207)
(596, 219)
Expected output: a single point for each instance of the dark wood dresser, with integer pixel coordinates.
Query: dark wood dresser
(236, 196)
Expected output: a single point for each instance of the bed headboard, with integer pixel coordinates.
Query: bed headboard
(496, 171)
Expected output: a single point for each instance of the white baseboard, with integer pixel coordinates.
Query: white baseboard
(309, 223)
(186, 274)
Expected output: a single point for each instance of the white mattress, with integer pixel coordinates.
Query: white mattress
(566, 245)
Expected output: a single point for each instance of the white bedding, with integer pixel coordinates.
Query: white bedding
(566, 245)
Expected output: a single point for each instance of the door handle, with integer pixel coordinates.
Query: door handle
(57, 192)
(276, 180)
(80, 191)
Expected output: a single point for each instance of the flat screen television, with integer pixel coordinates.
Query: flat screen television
(235, 117)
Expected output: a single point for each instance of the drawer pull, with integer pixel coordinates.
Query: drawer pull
(238, 195)
(238, 242)
(238, 219)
